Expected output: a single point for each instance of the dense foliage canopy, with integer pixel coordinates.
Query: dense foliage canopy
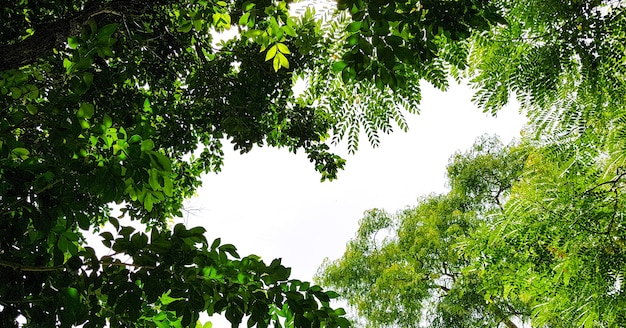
(529, 234)
(523, 238)
(128, 102)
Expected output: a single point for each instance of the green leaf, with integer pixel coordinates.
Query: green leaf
(339, 66)
(283, 48)
(32, 109)
(88, 78)
(67, 64)
(276, 64)
(216, 243)
(353, 27)
(198, 24)
(168, 189)
(20, 152)
(147, 145)
(161, 162)
(107, 238)
(135, 139)
(146, 106)
(243, 20)
(72, 42)
(106, 31)
(283, 60)
(153, 180)
(148, 202)
(86, 110)
(185, 26)
(289, 31)
(83, 221)
(107, 121)
(271, 53)
(16, 92)
(167, 299)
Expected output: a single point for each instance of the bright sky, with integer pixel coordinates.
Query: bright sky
(271, 203)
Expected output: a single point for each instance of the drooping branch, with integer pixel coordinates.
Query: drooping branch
(29, 268)
(54, 34)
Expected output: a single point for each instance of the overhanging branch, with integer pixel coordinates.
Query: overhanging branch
(29, 268)
(53, 35)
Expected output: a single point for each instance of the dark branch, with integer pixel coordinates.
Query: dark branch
(28, 268)
(54, 34)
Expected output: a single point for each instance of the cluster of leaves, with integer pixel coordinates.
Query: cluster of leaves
(101, 103)
(389, 40)
(525, 236)
(561, 59)
(407, 269)
(529, 234)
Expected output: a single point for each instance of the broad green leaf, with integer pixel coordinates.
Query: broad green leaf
(185, 26)
(161, 162)
(72, 42)
(146, 106)
(147, 145)
(289, 31)
(86, 110)
(243, 20)
(88, 78)
(283, 60)
(148, 202)
(20, 152)
(271, 53)
(353, 27)
(339, 66)
(107, 121)
(107, 30)
(282, 48)
(168, 189)
(16, 92)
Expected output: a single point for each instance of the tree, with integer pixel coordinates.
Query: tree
(102, 102)
(526, 234)
(406, 270)
(128, 102)
(557, 247)
(545, 244)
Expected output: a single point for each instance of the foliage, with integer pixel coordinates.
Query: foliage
(558, 245)
(128, 102)
(562, 60)
(541, 236)
(406, 270)
(525, 235)
(389, 42)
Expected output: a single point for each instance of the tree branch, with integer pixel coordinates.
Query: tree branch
(54, 34)
(29, 268)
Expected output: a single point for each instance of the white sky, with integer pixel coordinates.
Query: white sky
(271, 203)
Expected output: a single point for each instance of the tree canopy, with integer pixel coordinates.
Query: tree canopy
(128, 103)
(529, 234)
(523, 238)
